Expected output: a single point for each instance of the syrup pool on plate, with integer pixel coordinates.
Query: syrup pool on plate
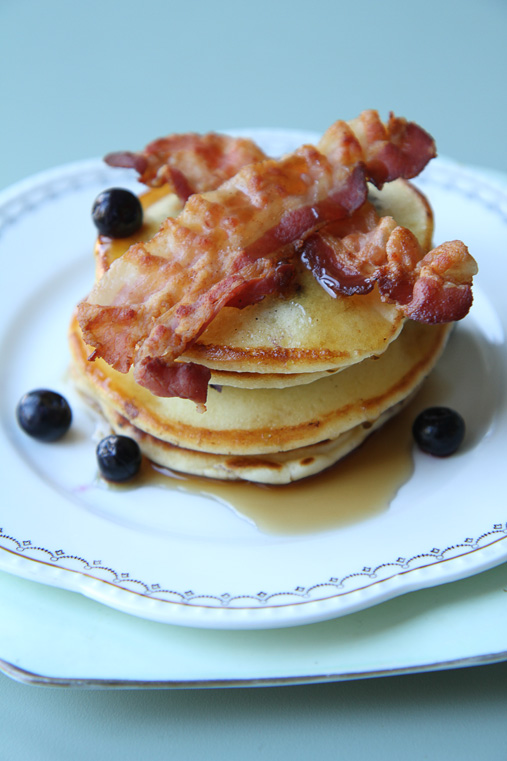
(363, 484)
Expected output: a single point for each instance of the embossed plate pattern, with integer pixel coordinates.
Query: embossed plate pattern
(184, 559)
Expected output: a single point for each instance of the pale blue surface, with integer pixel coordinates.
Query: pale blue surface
(446, 716)
(81, 79)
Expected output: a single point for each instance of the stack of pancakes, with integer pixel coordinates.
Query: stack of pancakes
(297, 382)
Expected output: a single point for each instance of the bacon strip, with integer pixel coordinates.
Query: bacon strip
(396, 149)
(351, 257)
(233, 238)
(157, 298)
(443, 285)
(189, 163)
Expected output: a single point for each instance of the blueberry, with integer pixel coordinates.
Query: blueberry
(44, 415)
(117, 213)
(439, 431)
(119, 458)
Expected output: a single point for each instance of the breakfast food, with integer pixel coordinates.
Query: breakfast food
(119, 458)
(44, 414)
(439, 431)
(270, 313)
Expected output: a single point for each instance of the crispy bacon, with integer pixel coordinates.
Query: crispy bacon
(352, 256)
(159, 296)
(189, 163)
(443, 285)
(234, 245)
(185, 380)
(396, 149)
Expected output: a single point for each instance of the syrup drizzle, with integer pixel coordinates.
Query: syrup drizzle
(361, 485)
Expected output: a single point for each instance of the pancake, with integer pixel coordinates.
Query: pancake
(306, 333)
(299, 377)
(275, 469)
(264, 421)
(297, 383)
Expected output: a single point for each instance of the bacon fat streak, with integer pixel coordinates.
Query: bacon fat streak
(234, 244)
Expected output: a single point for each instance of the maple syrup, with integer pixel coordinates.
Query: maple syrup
(361, 485)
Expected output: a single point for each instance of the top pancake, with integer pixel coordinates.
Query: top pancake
(287, 341)
(267, 420)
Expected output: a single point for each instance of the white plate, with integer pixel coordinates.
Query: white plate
(183, 559)
(50, 636)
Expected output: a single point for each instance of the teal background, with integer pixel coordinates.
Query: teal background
(81, 79)
(78, 80)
